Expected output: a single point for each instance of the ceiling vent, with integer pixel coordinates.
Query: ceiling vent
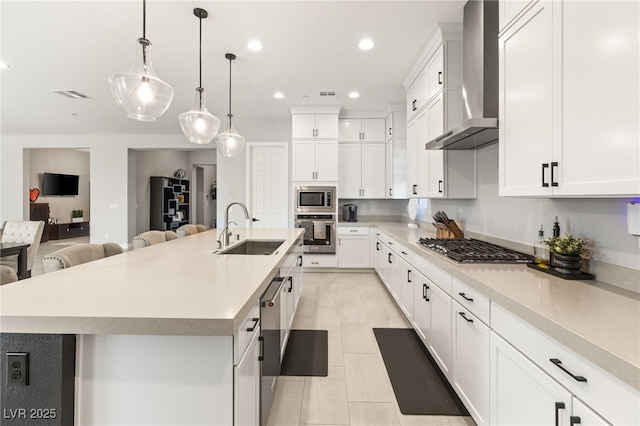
(329, 93)
(73, 94)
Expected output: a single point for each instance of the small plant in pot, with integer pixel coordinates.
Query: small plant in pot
(567, 253)
(77, 216)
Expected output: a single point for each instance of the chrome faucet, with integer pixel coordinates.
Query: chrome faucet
(226, 232)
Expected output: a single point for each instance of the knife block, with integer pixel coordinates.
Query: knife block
(444, 234)
(448, 230)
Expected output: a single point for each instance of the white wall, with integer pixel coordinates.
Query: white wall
(68, 162)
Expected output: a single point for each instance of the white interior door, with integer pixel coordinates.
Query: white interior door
(268, 189)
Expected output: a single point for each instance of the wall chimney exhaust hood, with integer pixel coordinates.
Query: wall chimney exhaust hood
(479, 126)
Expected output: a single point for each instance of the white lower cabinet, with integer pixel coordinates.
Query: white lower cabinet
(320, 261)
(353, 247)
(246, 398)
(440, 332)
(585, 416)
(407, 282)
(470, 379)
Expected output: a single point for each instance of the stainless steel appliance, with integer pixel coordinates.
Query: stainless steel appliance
(315, 199)
(350, 213)
(319, 232)
(464, 250)
(270, 306)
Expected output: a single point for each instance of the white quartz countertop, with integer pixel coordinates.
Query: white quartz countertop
(594, 319)
(174, 288)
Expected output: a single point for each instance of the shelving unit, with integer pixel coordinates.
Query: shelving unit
(169, 203)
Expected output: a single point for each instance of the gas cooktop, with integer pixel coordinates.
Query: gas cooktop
(465, 250)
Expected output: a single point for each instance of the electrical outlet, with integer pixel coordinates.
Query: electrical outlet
(18, 368)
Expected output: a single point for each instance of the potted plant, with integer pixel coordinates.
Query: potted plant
(567, 253)
(77, 216)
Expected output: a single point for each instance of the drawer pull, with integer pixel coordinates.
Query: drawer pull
(558, 364)
(256, 321)
(464, 296)
(404, 252)
(462, 314)
(559, 406)
(353, 230)
(574, 420)
(425, 288)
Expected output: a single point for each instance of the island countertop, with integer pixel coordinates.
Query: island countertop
(179, 287)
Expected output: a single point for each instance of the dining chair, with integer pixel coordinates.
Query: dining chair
(7, 275)
(190, 229)
(22, 231)
(78, 254)
(150, 238)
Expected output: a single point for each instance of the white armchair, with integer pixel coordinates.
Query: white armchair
(22, 232)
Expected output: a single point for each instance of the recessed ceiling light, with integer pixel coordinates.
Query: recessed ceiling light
(354, 95)
(366, 44)
(255, 45)
(278, 95)
(3, 66)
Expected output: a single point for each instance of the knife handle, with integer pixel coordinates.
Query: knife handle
(453, 227)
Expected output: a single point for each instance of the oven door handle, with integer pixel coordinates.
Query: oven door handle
(270, 303)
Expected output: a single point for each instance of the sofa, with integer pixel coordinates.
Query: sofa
(79, 254)
(150, 238)
(190, 229)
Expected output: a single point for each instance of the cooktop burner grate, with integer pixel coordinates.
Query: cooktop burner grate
(464, 250)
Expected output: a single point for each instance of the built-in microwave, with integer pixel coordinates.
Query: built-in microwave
(315, 199)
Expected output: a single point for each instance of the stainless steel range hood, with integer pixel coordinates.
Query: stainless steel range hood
(479, 126)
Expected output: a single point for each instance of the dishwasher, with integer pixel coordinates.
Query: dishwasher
(270, 306)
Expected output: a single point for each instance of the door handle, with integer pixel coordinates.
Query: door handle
(290, 289)
(574, 420)
(409, 275)
(255, 219)
(390, 194)
(439, 77)
(415, 189)
(255, 324)
(425, 288)
(544, 183)
(261, 356)
(554, 165)
(440, 186)
(389, 131)
(377, 246)
(413, 105)
(389, 257)
(559, 406)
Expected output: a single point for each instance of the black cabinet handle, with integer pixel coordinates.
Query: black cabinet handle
(544, 183)
(377, 246)
(390, 193)
(574, 420)
(389, 131)
(463, 315)
(415, 189)
(554, 164)
(255, 219)
(413, 105)
(464, 296)
(424, 292)
(255, 324)
(559, 406)
(389, 257)
(290, 289)
(299, 262)
(439, 77)
(409, 275)
(558, 364)
(404, 252)
(261, 356)
(440, 186)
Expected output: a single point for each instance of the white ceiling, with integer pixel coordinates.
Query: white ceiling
(309, 46)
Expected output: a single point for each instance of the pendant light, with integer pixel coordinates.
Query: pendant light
(139, 91)
(198, 124)
(229, 142)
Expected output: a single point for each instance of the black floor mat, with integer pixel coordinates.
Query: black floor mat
(307, 354)
(419, 385)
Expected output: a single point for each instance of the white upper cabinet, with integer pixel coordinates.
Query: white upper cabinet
(314, 161)
(435, 74)
(509, 9)
(570, 100)
(315, 126)
(417, 95)
(361, 170)
(396, 155)
(361, 130)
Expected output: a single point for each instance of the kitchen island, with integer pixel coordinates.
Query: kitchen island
(156, 328)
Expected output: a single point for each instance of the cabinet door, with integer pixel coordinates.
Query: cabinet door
(585, 415)
(373, 130)
(526, 107)
(327, 160)
(394, 274)
(521, 392)
(435, 73)
(422, 154)
(600, 152)
(327, 126)
(388, 127)
(373, 170)
(471, 351)
(509, 9)
(303, 126)
(417, 95)
(440, 332)
(349, 130)
(304, 160)
(353, 251)
(247, 386)
(422, 306)
(435, 158)
(412, 159)
(407, 278)
(350, 170)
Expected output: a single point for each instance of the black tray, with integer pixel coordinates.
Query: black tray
(551, 271)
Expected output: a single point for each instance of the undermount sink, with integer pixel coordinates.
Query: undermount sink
(254, 247)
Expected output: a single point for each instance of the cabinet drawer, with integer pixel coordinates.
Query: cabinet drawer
(609, 397)
(242, 336)
(320, 260)
(472, 300)
(353, 230)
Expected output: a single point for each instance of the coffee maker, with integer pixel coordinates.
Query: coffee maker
(350, 213)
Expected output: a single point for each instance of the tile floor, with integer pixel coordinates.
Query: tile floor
(357, 390)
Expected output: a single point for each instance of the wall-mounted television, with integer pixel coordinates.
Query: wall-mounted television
(58, 184)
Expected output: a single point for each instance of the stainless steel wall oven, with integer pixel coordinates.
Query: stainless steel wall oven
(319, 232)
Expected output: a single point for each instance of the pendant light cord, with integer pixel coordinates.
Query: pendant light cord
(200, 81)
(230, 115)
(144, 19)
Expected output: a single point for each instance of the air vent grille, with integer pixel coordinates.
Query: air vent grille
(73, 94)
(329, 93)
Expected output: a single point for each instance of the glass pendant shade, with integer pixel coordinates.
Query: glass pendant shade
(139, 91)
(198, 124)
(229, 142)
